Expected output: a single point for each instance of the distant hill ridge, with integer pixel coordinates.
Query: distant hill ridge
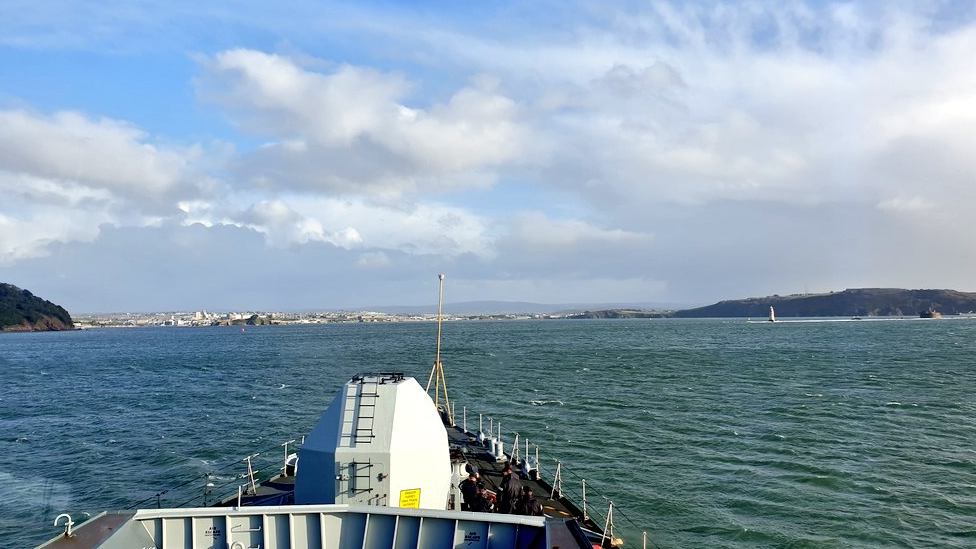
(850, 302)
(517, 307)
(22, 311)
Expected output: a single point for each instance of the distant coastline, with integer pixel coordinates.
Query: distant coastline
(851, 303)
(857, 302)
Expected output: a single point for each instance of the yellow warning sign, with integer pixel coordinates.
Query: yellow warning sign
(410, 499)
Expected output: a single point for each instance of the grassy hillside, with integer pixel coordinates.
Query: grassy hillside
(854, 302)
(21, 310)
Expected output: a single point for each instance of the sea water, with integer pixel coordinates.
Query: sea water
(703, 433)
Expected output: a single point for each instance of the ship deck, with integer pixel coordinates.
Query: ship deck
(279, 490)
(564, 532)
(95, 531)
(490, 469)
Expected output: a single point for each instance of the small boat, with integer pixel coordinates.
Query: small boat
(772, 314)
(382, 469)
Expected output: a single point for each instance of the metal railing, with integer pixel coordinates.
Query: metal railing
(248, 469)
(585, 488)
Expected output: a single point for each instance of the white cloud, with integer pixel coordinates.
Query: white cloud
(358, 120)
(781, 104)
(905, 204)
(538, 231)
(373, 260)
(66, 174)
(281, 225)
(34, 229)
(102, 153)
(659, 143)
(417, 229)
(629, 82)
(353, 224)
(274, 95)
(36, 189)
(350, 129)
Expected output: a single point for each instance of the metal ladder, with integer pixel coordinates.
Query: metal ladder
(359, 412)
(367, 410)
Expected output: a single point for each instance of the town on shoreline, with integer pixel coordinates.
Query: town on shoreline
(253, 318)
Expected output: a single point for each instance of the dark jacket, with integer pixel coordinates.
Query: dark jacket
(480, 503)
(529, 506)
(510, 492)
(468, 490)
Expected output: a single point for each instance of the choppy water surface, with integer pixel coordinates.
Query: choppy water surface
(705, 433)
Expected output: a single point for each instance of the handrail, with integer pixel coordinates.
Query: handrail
(585, 487)
(284, 464)
(251, 472)
(208, 478)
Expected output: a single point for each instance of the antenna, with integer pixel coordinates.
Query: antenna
(437, 372)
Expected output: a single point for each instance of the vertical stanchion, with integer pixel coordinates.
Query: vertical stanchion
(284, 465)
(557, 482)
(206, 488)
(608, 527)
(250, 474)
(515, 449)
(585, 516)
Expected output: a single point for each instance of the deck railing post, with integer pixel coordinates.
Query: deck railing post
(284, 464)
(538, 463)
(557, 482)
(250, 474)
(515, 449)
(608, 527)
(206, 488)
(585, 516)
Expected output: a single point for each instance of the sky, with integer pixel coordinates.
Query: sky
(308, 155)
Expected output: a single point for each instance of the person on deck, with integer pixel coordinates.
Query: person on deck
(469, 489)
(513, 468)
(528, 505)
(481, 503)
(510, 490)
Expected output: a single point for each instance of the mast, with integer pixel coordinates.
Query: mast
(437, 372)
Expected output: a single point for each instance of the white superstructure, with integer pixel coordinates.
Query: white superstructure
(381, 442)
